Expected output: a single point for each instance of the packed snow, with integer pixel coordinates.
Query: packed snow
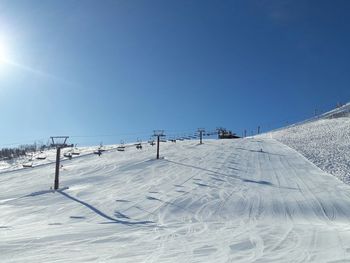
(245, 200)
(324, 140)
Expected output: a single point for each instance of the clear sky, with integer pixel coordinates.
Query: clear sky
(111, 70)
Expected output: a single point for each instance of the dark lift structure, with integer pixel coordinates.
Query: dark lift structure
(226, 134)
(59, 142)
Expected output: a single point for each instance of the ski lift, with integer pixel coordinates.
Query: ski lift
(98, 152)
(68, 155)
(121, 147)
(138, 146)
(41, 156)
(28, 165)
(75, 152)
(101, 148)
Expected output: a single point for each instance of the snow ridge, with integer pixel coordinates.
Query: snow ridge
(324, 140)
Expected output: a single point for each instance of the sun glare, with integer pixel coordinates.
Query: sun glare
(2, 53)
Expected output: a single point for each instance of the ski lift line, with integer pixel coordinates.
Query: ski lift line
(98, 135)
(291, 121)
(127, 134)
(53, 162)
(294, 120)
(44, 164)
(179, 131)
(174, 133)
(76, 157)
(320, 110)
(109, 135)
(67, 159)
(63, 160)
(191, 134)
(21, 142)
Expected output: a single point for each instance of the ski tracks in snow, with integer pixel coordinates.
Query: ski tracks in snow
(244, 200)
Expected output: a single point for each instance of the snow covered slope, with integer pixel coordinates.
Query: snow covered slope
(325, 141)
(246, 200)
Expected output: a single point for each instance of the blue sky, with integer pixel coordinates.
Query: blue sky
(111, 70)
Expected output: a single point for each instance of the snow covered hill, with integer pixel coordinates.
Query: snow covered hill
(324, 140)
(246, 200)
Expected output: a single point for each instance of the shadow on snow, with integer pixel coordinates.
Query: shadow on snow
(100, 213)
(233, 176)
